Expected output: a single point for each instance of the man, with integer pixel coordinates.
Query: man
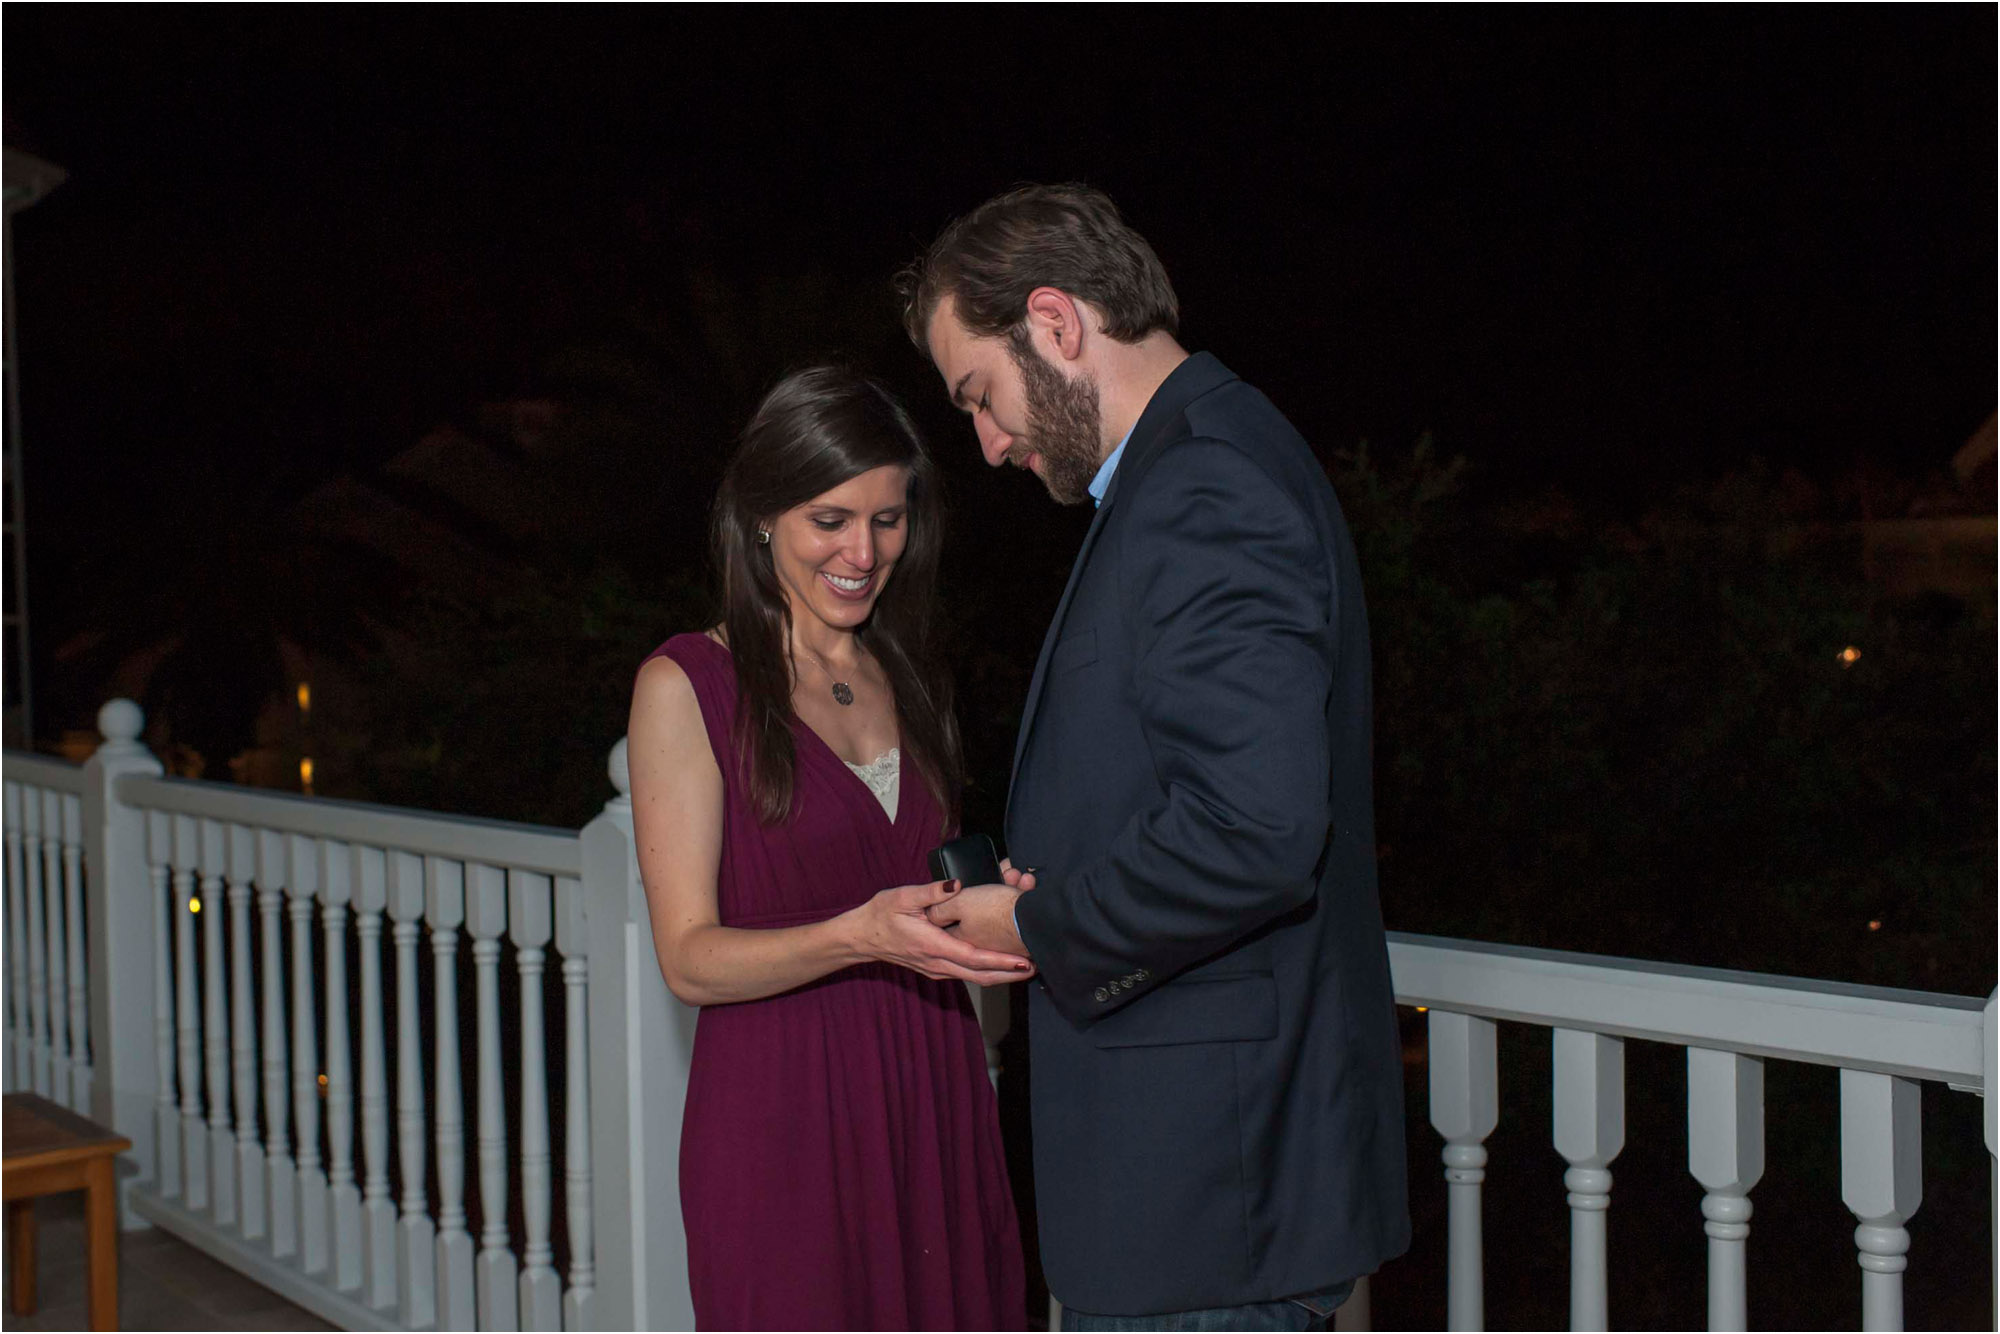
(1217, 1076)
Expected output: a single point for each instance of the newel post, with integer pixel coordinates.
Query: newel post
(122, 948)
(640, 1041)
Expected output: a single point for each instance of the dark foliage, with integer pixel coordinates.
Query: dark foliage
(1645, 740)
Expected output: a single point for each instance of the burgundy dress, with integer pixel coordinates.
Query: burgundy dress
(841, 1165)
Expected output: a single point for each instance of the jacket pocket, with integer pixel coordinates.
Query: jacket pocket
(1222, 1009)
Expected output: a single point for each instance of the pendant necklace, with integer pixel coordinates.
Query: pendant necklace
(843, 694)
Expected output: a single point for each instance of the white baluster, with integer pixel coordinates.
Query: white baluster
(1726, 1155)
(308, 1087)
(378, 1211)
(1990, 1095)
(39, 1052)
(1881, 1182)
(416, 1236)
(444, 907)
(992, 1006)
(493, 1267)
(166, 1115)
(79, 978)
(530, 922)
(1589, 1132)
(52, 914)
(1465, 1106)
(20, 1024)
(281, 1201)
(243, 1032)
(187, 1015)
(573, 942)
(215, 1021)
(336, 891)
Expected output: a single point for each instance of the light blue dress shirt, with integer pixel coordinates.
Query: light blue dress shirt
(1102, 482)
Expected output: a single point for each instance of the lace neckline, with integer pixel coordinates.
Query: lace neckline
(879, 770)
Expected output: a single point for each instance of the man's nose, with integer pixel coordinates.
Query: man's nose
(993, 442)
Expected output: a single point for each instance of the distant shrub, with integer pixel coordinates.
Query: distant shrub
(1644, 739)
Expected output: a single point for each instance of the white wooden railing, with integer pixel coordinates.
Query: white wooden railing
(1884, 1042)
(203, 967)
(364, 1125)
(48, 992)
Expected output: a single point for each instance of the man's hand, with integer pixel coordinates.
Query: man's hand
(983, 915)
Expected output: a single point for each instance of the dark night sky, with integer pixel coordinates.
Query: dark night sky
(1620, 248)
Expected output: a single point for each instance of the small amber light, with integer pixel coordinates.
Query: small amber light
(1849, 656)
(1875, 925)
(194, 905)
(1423, 1009)
(305, 696)
(322, 1081)
(306, 775)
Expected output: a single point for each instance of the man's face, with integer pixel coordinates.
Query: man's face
(1024, 409)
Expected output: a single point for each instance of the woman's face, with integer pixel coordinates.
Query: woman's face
(834, 554)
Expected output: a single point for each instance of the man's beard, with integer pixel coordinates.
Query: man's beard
(1065, 426)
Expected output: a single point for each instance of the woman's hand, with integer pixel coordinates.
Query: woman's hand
(892, 927)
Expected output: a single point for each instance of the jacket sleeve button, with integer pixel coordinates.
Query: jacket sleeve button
(1101, 994)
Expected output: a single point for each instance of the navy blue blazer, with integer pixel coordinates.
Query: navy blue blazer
(1216, 1072)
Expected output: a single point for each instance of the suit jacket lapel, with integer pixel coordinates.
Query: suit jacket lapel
(1055, 633)
(1193, 377)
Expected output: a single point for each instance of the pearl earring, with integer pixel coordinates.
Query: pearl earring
(763, 537)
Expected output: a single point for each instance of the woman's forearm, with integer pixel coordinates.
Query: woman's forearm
(719, 965)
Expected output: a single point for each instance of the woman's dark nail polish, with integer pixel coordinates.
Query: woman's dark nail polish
(952, 887)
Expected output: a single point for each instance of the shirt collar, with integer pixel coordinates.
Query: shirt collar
(1102, 482)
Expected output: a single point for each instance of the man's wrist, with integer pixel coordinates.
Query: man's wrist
(1014, 916)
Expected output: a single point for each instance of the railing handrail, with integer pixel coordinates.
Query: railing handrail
(1910, 1034)
(1913, 1034)
(528, 847)
(44, 771)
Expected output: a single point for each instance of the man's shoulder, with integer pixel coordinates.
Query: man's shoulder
(1239, 413)
(1220, 431)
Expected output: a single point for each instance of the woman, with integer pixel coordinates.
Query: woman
(841, 1163)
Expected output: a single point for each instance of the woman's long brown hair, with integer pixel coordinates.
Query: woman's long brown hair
(818, 428)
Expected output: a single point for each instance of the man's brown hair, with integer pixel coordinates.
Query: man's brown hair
(1064, 236)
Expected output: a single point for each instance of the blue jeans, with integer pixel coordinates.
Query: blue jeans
(1309, 1311)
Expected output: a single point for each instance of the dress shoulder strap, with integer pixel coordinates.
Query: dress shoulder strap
(712, 672)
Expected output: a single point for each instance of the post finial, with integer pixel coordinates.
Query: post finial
(120, 722)
(621, 772)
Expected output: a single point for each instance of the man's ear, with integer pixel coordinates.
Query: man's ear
(1058, 323)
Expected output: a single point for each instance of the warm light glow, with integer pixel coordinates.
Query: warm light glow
(306, 775)
(1423, 1009)
(322, 1081)
(1849, 656)
(305, 696)
(194, 905)
(1875, 925)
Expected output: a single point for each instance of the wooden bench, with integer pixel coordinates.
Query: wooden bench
(44, 1150)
